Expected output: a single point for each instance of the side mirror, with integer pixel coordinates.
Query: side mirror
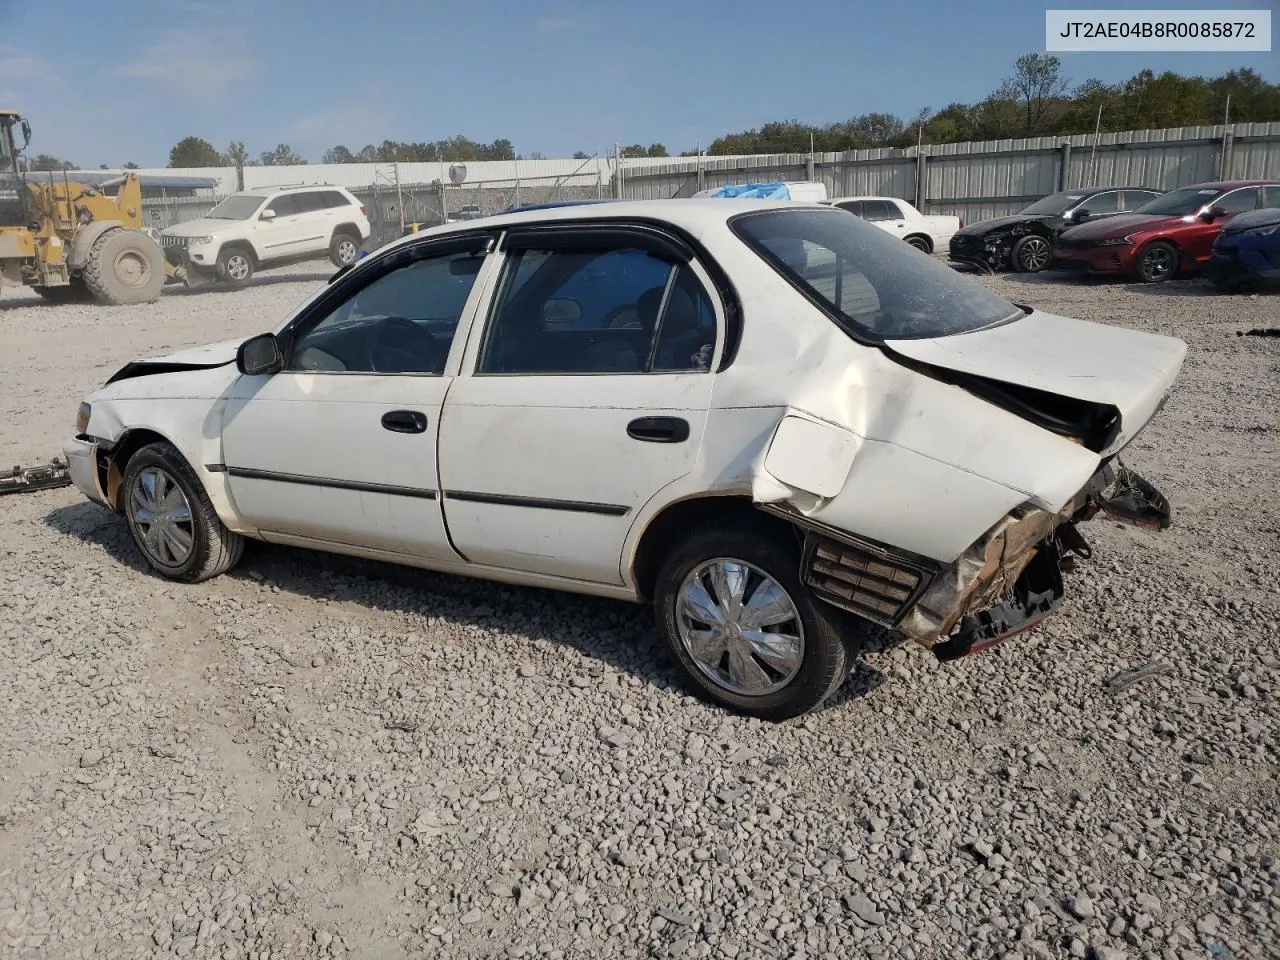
(1212, 214)
(259, 355)
(26, 133)
(267, 214)
(562, 310)
(1081, 215)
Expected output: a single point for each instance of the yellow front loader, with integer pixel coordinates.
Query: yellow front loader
(69, 241)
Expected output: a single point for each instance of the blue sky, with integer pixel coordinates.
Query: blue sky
(120, 80)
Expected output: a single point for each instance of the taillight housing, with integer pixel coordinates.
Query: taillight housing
(363, 211)
(961, 222)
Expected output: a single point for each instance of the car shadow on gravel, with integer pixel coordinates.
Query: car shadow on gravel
(215, 286)
(621, 635)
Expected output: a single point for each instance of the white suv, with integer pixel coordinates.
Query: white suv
(270, 227)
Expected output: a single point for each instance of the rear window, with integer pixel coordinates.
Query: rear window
(875, 286)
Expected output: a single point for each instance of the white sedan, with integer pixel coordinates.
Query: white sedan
(924, 231)
(759, 416)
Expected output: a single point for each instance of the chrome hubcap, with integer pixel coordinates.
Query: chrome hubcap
(740, 627)
(237, 268)
(346, 251)
(161, 515)
(1035, 254)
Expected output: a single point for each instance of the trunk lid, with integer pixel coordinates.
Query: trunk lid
(1129, 370)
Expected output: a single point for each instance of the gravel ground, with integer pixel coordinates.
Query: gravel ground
(317, 757)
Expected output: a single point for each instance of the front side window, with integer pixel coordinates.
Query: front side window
(285, 205)
(1238, 201)
(598, 311)
(858, 273)
(238, 206)
(1102, 203)
(310, 202)
(402, 322)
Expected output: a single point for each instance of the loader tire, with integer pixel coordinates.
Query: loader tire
(125, 267)
(74, 292)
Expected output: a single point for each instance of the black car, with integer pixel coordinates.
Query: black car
(1024, 240)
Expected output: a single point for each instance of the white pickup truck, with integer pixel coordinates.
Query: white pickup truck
(927, 232)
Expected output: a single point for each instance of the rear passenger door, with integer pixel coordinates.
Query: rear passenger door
(315, 223)
(588, 398)
(885, 215)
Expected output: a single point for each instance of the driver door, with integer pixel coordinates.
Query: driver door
(339, 447)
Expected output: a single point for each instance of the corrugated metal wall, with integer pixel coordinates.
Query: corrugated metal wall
(990, 178)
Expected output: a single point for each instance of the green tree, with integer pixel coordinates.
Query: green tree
(581, 155)
(282, 156)
(131, 166)
(1038, 85)
(44, 162)
(238, 154)
(195, 152)
(338, 154)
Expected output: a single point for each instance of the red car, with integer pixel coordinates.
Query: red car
(1171, 234)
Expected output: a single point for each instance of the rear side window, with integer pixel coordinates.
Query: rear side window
(1133, 199)
(1271, 197)
(858, 274)
(332, 198)
(879, 210)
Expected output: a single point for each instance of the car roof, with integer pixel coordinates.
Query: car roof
(1229, 184)
(692, 215)
(867, 196)
(288, 188)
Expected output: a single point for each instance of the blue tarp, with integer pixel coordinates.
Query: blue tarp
(753, 191)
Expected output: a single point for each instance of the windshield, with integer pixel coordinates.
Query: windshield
(1054, 204)
(238, 206)
(1179, 203)
(874, 284)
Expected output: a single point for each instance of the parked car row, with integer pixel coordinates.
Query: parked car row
(1134, 232)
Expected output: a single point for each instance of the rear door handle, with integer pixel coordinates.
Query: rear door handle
(659, 429)
(405, 421)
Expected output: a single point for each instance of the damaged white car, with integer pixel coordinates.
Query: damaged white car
(763, 417)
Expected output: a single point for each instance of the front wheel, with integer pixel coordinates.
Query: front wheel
(1030, 254)
(1158, 262)
(235, 266)
(171, 518)
(746, 632)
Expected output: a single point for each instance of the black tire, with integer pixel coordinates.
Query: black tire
(1157, 262)
(824, 663)
(235, 265)
(124, 268)
(74, 292)
(1031, 253)
(344, 249)
(213, 548)
(920, 243)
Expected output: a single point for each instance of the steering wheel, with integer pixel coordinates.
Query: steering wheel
(398, 345)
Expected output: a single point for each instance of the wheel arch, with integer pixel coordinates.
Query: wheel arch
(665, 529)
(111, 465)
(349, 228)
(245, 245)
(85, 238)
(928, 240)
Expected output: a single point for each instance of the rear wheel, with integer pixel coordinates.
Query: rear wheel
(920, 243)
(1030, 254)
(746, 632)
(171, 518)
(1158, 262)
(124, 267)
(344, 249)
(235, 266)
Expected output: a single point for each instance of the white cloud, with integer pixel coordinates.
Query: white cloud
(202, 66)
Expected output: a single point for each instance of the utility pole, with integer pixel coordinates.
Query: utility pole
(399, 196)
(617, 171)
(1093, 157)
